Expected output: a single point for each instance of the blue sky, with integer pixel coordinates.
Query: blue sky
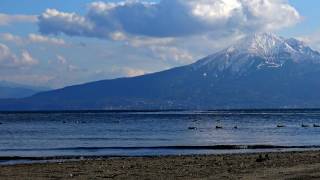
(58, 43)
(309, 10)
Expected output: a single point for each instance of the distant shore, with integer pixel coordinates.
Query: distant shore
(276, 165)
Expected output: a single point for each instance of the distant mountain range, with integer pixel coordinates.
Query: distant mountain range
(14, 90)
(260, 71)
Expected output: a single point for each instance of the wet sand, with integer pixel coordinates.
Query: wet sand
(282, 165)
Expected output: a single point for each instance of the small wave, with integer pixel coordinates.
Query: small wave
(112, 139)
(213, 147)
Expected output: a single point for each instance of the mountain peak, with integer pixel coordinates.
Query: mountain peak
(262, 43)
(269, 45)
(262, 38)
(261, 50)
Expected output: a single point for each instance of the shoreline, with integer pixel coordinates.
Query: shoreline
(212, 150)
(269, 165)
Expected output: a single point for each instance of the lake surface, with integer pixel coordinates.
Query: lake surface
(155, 133)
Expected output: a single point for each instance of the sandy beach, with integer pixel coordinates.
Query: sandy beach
(280, 165)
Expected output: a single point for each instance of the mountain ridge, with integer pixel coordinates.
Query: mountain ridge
(261, 71)
(273, 50)
(15, 90)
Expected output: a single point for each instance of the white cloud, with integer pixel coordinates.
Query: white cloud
(10, 60)
(6, 19)
(176, 30)
(313, 39)
(61, 59)
(276, 14)
(55, 22)
(118, 36)
(131, 72)
(73, 68)
(7, 58)
(27, 59)
(213, 11)
(149, 41)
(122, 71)
(168, 53)
(36, 38)
(171, 18)
(32, 38)
(12, 38)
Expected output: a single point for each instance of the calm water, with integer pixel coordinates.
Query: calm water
(107, 133)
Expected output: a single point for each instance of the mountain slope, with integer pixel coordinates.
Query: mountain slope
(13, 90)
(261, 71)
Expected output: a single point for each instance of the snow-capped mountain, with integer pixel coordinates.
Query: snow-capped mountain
(263, 50)
(260, 71)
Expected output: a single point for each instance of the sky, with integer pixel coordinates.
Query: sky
(59, 43)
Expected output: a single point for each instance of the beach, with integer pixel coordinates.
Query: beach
(276, 165)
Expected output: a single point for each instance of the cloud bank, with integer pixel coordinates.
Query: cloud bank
(36, 38)
(6, 19)
(32, 38)
(9, 60)
(171, 18)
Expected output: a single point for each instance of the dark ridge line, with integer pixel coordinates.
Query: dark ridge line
(213, 147)
(88, 111)
(158, 110)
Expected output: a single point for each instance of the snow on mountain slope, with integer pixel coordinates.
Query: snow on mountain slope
(263, 50)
